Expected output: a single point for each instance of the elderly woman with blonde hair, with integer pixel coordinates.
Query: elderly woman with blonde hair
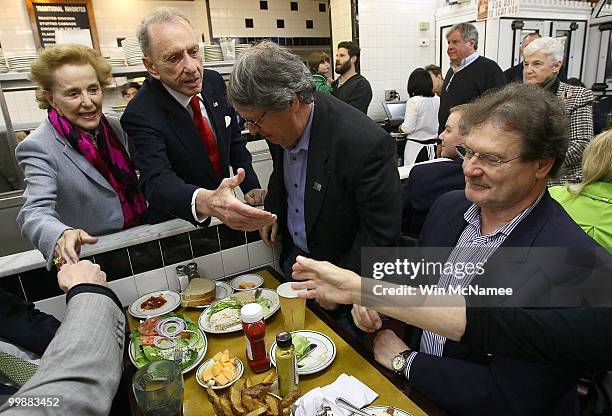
(543, 60)
(79, 177)
(589, 202)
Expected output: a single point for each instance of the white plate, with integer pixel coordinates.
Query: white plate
(255, 279)
(223, 290)
(173, 301)
(239, 372)
(382, 411)
(198, 360)
(319, 359)
(204, 323)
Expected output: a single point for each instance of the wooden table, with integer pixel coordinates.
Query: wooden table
(347, 360)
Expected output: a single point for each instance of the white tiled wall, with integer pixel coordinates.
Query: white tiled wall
(389, 37)
(340, 11)
(227, 18)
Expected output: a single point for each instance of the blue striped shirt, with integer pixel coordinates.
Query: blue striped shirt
(472, 247)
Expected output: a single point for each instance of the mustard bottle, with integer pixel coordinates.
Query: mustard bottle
(286, 364)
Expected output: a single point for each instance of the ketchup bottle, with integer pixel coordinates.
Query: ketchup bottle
(255, 333)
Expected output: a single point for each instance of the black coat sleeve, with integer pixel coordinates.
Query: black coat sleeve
(580, 338)
(23, 325)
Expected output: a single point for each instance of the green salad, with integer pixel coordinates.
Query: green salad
(150, 345)
(231, 303)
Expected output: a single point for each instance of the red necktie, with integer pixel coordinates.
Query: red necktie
(206, 135)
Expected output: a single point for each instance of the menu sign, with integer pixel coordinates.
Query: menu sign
(49, 16)
(499, 8)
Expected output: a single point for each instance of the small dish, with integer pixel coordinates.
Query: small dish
(246, 282)
(172, 300)
(210, 362)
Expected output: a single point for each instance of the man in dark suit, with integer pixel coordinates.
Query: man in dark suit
(515, 73)
(516, 139)
(184, 133)
(428, 180)
(335, 186)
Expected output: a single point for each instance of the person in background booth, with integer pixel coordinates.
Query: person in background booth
(80, 179)
(129, 90)
(319, 65)
(543, 60)
(589, 202)
(515, 73)
(436, 78)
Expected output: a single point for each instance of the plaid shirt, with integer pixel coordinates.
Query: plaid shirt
(578, 105)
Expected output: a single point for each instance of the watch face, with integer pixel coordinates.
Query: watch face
(398, 362)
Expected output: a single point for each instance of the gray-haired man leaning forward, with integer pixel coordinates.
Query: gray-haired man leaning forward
(335, 186)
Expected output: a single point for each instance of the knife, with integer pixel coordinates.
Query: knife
(310, 348)
(346, 405)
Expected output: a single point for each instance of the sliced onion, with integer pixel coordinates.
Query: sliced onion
(164, 343)
(163, 325)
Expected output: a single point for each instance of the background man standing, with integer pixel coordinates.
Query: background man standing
(351, 87)
(470, 73)
(515, 73)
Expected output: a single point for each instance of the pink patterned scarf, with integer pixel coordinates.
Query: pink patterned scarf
(110, 159)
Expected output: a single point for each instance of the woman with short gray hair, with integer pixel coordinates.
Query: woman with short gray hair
(543, 60)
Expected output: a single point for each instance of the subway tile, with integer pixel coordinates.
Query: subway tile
(55, 306)
(12, 285)
(116, 264)
(235, 260)
(253, 236)
(125, 289)
(145, 257)
(204, 241)
(40, 284)
(176, 249)
(210, 266)
(230, 238)
(151, 281)
(259, 254)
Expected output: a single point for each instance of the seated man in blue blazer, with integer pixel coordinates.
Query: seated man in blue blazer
(428, 180)
(516, 140)
(185, 135)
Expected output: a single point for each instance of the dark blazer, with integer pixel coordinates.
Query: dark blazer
(358, 201)
(426, 182)
(463, 381)
(169, 153)
(514, 73)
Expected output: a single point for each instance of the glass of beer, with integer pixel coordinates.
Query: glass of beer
(158, 389)
(293, 308)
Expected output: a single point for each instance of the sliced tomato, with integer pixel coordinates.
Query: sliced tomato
(148, 326)
(147, 340)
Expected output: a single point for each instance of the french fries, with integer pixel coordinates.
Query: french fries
(247, 399)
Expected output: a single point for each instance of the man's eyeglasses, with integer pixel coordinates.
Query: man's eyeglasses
(488, 159)
(249, 124)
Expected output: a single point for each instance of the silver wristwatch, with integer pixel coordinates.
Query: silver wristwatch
(400, 361)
